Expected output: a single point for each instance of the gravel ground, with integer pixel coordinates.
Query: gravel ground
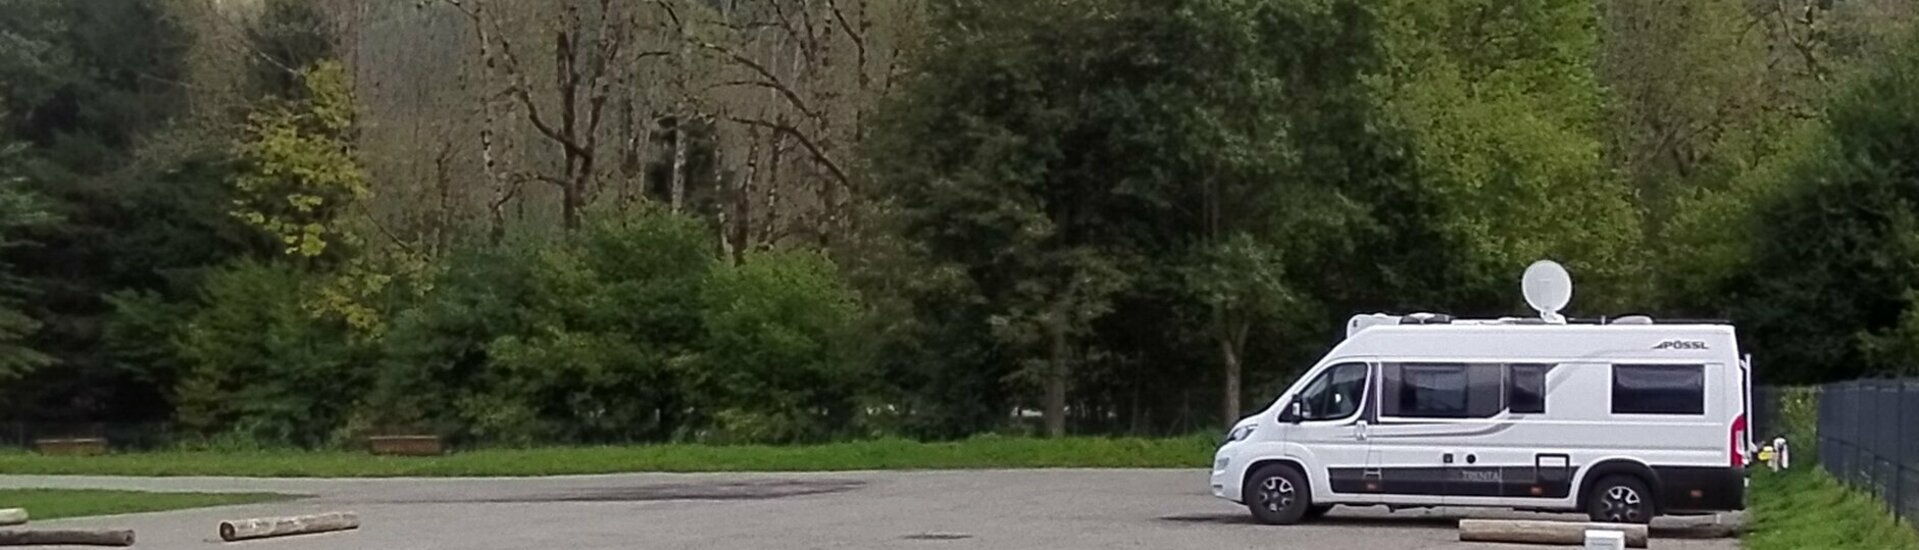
(1051, 509)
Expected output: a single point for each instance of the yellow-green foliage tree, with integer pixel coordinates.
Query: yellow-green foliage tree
(303, 184)
(301, 178)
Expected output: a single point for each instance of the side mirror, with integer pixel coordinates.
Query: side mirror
(1293, 412)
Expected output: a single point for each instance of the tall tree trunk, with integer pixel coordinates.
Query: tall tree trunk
(572, 196)
(680, 138)
(502, 186)
(1056, 387)
(1231, 338)
(1229, 398)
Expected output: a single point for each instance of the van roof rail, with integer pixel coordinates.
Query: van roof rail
(1603, 320)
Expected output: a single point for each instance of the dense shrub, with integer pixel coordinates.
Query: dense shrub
(262, 365)
(632, 329)
(781, 359)
(436, 352)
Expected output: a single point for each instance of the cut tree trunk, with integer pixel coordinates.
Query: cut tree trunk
(1543, 532)
(85, 537)
(258, 528)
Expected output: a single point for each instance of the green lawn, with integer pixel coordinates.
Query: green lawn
(979, 452)
(1806, 508)
(45, 504)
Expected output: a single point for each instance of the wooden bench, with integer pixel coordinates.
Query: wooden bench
(406, 445)
(80, 446)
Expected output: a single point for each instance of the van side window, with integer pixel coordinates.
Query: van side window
(1526, 389)
(1443, 390)
(1335, 393)
(1659, 389)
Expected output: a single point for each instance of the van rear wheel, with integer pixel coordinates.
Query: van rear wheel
(1278, 495)
(1620, 499)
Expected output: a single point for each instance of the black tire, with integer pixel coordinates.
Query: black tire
(1278, 495)
(1620, 499)
(1318, 511)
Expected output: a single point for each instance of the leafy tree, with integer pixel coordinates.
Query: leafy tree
(1836, 256)
(19, 209)
(610, 314)
(177, 233)
(81, 84)
(1712, 104)
(1502, 104)
(300, 181)
(1682, 80)
(289, 37)
(436, 354)
(1075, 188)
(628, 330)
(985, 192)
(261, 365)
(1243, 282)
(780, 360)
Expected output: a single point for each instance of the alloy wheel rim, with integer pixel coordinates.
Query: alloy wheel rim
(1622, 503)
(1276, 494)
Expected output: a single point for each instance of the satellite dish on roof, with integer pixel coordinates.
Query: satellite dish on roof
(1548, 288)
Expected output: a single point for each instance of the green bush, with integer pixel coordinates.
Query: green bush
(631, 329)
(781, 358)
(259, 364)
(609, 313)
(435, 354)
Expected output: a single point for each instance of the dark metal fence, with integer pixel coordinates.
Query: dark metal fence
(1869, 439)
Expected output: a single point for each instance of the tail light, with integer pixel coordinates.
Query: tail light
(1738, 436)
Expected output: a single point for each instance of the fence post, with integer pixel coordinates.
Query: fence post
(1857, 414)
(1898, 452)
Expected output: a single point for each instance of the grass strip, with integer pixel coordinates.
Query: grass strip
(1808, 508)
(49, 504)
(887, 454)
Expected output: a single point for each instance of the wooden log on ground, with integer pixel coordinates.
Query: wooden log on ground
(81, 537)
(13, 516)
(1543, 532)
(259, 528)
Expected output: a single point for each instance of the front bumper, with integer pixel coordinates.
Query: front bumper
(1226, 474)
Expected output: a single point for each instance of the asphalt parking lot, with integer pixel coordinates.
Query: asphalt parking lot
(1050, 509)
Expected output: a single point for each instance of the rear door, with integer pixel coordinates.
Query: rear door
(1747, 448)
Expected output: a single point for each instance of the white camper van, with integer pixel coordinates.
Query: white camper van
(1622, 420)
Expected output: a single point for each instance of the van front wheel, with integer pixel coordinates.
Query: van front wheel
(1278, 495)
(1620, 499)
